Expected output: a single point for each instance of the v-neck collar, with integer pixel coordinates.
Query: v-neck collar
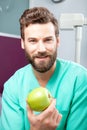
(52, 78)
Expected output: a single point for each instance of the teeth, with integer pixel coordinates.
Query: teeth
(41, 57)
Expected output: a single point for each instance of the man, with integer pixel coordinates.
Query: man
(67, 81)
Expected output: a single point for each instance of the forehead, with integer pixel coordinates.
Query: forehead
(39, 30)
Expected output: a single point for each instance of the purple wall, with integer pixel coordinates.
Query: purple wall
(11, 58)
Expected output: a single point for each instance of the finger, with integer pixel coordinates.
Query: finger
(59, 118)
(29, 110)
(49, 110)
(55, 114)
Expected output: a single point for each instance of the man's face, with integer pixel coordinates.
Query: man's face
(40, 46)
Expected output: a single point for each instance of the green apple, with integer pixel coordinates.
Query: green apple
(39, 99)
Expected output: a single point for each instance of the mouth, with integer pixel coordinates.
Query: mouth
(42, 58)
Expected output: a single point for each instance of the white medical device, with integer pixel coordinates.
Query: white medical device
(70, 21)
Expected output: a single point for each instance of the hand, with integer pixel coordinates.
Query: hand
(49, 119)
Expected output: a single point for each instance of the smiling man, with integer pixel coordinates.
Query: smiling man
(66, 80)
(41, 46)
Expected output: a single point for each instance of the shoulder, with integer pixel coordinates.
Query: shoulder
(72, 66)
(15, 82)
(74, 71)
(20, 73)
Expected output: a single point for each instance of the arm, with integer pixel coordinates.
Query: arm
(46, 120)
(77, 119)
(12, 114)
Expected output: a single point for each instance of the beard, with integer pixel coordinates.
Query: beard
(41, 66)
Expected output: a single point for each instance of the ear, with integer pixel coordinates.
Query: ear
(22, 43)
(58, 41)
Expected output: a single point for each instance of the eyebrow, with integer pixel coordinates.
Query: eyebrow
(30, 38)
(49, 37)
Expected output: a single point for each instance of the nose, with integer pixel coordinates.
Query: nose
(41, 47)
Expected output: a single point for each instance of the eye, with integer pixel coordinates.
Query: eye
(32, 41)
(48, 40)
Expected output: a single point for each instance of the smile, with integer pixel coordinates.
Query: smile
(42, 57)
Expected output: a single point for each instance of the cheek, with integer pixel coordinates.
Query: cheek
(30, 49)
(52, 48)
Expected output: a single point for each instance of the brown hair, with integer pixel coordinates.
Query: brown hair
(37, 15)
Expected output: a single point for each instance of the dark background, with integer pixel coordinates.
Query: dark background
(12, 57)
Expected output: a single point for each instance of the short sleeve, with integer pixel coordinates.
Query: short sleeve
(12, 113)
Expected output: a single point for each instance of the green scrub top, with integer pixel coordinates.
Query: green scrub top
(68, 85)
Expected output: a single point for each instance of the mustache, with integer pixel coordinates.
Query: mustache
(41, 55)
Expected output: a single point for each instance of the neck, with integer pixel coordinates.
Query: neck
(44, 77)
